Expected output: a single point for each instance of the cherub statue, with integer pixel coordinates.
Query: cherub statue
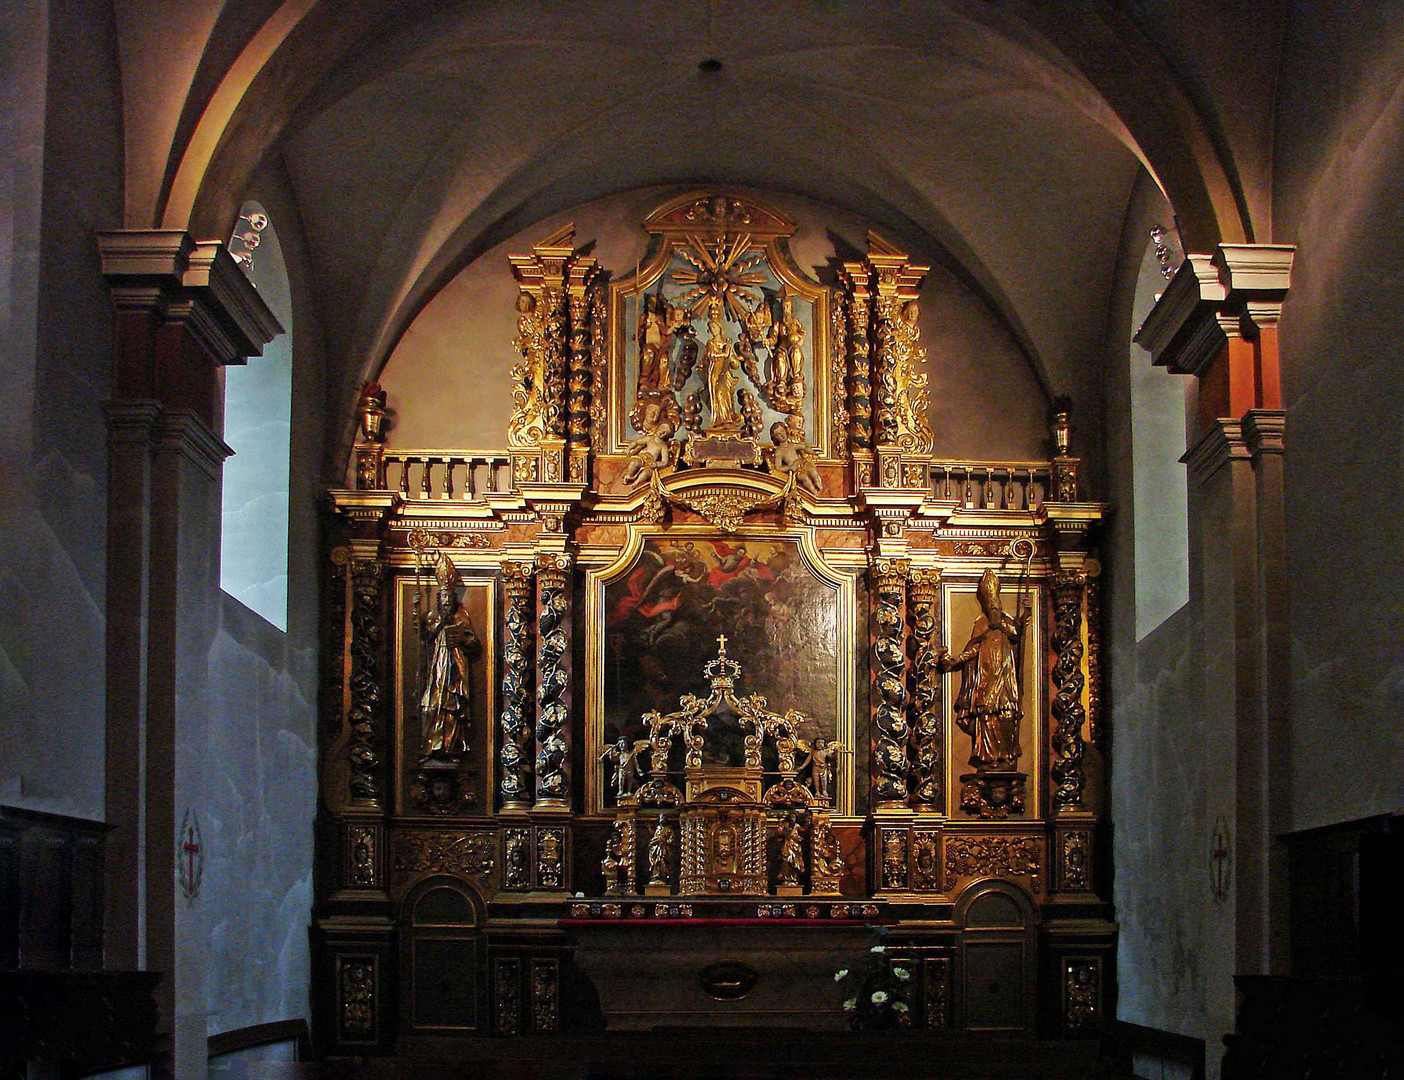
(821, 760)
(624, 756)
(651, 451)
(794, 457)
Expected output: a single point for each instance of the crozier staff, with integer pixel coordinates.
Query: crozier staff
(449, 647)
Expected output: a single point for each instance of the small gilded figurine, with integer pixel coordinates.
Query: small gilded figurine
(660, 855)
(791, 851)
(449, 649)
(616, 862)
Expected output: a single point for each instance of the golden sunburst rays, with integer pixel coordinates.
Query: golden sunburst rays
(724, 269)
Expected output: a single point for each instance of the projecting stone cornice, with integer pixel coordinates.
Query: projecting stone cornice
(1234, 292)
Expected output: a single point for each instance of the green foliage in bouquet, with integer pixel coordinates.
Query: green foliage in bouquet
(879, 992)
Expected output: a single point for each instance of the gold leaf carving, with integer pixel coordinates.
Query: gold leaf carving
(993, 856)
(473, 854)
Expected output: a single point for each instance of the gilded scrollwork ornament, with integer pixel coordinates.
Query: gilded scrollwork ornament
(469, 854)
(994, 856)
(1067, 711)
(364, 748)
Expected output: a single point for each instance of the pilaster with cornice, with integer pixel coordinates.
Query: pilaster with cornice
(182, 309)
(1217, 320)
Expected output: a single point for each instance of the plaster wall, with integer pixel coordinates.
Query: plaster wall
(1168, 784)
(60, 181)
(253, 759)
(448, 378)
(1340, 198)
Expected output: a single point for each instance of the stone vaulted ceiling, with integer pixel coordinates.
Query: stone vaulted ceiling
(416, 135)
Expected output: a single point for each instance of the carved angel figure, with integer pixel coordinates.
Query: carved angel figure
(821, 758)
(650, 452)
(794, 457)
(624, 756)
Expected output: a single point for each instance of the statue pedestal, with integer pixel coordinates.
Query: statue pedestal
(789, 890)
(658, 890)
(993, 793)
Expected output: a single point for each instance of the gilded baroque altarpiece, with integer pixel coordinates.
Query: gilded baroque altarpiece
(711, 636)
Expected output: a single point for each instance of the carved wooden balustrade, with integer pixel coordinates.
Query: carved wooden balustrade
(990, 485)
(465, 475)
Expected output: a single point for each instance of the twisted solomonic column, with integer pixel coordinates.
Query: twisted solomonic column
(515, 755)
(889, 674)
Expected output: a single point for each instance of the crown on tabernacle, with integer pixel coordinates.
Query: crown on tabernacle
(722, 670)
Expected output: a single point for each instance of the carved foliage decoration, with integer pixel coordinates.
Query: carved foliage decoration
(1082, 992)
(936, 977)
(507, 995)
(860, 391)
(364, 719)
(553, 680)
(993, 856)
(927, 766)
(545, 980)
(1094, 660)
(466, 854)
(1066, 708)
(355, 990)
(515, 755)
(889, 739)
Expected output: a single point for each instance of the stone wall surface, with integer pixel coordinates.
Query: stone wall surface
(1341, 200)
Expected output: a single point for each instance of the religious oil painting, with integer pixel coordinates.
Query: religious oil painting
(663, 618)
